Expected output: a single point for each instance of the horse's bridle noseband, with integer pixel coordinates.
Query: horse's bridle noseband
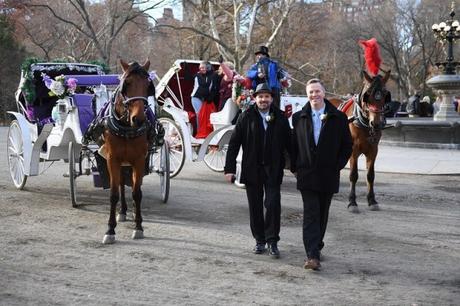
(126, 102)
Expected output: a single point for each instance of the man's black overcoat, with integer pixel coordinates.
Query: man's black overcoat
(318, 166)
(260, 162)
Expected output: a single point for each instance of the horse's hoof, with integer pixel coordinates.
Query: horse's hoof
(108, 239)
(353, 209)
(121, 218)
(372, 202)
(138, 234)
(374, 207)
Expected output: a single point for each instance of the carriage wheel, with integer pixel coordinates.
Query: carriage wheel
(173, 135)
(15, 151)
(164, 172)
(215, 157)
(73, 173)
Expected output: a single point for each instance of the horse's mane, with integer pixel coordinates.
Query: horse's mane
(371, 55)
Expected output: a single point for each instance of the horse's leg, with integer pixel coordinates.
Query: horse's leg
(121, 217)
(114, 172)
(370, 161)
(138, 172)
(352, 205)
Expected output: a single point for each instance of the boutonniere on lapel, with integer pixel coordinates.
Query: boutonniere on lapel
(324, 117)
(270, 117)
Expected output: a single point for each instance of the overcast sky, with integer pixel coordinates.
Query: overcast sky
(177, 9)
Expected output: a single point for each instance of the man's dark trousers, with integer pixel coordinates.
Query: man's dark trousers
(316, 211)
(264, 229)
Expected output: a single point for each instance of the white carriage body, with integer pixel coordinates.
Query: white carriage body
(173, 91)
(176, 102)
(56, 135)
(50, 129)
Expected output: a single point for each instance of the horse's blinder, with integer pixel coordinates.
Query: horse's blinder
(378, 93)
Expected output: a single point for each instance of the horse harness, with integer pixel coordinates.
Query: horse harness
(360, 116)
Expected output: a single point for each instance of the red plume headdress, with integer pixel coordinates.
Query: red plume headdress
(371, 55)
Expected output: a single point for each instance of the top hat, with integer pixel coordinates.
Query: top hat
(262, 50)
(262, 88)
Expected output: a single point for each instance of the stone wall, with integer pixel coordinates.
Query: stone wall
(422, 132)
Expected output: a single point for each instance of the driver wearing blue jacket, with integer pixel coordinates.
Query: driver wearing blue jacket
(268, 71)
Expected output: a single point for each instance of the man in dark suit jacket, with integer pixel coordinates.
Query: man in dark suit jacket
(322, 145)
(263, 132)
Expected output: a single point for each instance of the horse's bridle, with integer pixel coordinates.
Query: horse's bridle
(377, 91)
(120, 92)
(126, 102)
(119, 124)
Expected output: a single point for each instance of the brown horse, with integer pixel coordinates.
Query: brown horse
(366, 115)
(126, 142)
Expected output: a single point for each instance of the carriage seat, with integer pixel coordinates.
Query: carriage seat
(225, 116)
(40, 110)
(84, 103)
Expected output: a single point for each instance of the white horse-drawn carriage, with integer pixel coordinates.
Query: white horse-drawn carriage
(173, 92)
(47, 128)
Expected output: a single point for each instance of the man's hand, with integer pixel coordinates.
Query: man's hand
(261, 75)
(230, 177)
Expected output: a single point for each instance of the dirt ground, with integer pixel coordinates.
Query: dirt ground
(197, 249)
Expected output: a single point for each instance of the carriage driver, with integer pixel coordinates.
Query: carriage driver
(268, 71)
(263, 133)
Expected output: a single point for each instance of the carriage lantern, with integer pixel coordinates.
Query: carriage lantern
(448, 31)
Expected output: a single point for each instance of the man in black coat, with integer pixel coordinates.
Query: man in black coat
(322, 145)
(263, 132)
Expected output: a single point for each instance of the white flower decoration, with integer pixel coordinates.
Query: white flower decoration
(323, 117)
(57, 88)
(269, 117)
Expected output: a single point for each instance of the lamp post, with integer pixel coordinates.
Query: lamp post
(447, 84)
(448, 31)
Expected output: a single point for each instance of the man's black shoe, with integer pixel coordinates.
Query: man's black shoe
(273, 250)
(259, 248)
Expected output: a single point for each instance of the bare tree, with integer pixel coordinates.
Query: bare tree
(101, 23)
(211, 20)
(11, 56)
